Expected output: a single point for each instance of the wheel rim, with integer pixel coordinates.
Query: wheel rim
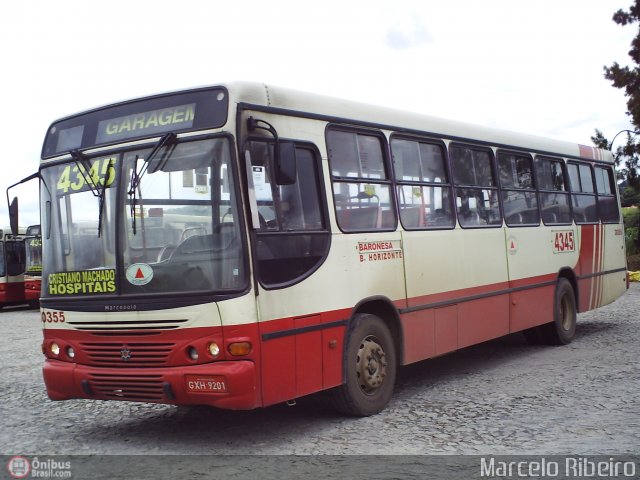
(371, 365)
(566, 312)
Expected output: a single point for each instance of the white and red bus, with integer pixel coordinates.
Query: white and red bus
(244, 245)
(12, 266)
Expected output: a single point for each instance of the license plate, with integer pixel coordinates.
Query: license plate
(206, 383)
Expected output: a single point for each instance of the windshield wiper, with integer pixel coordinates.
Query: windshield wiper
(103, 192)
(84, 167)
(136, 175)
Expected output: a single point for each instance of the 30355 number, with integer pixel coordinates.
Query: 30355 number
(52, 317)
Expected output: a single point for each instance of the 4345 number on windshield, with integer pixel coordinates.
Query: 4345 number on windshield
(74, 177)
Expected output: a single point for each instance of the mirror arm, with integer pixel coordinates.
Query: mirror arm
(253, 124)
(9, 203)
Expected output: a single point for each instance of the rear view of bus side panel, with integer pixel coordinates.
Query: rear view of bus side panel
(601, 266)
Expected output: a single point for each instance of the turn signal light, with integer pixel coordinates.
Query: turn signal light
(239, 348)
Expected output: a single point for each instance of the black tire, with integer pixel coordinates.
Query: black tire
(370, 368)
(563, 328)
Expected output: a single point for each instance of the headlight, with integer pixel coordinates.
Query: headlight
(193, 353)
(214, 349)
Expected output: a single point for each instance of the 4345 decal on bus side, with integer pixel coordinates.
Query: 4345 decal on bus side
(563, 241)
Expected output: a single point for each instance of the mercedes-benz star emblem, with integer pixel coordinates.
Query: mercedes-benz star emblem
(125, 354)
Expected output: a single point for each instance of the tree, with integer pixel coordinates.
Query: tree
(630, 153)
(627, 78)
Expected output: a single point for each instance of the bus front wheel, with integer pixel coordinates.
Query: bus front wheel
(370, 368)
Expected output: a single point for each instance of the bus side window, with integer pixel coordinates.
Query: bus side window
(607, 203)
(519, 198)
(583, 193)
(361, 183)
(423, 190)
(293, 237)
(476, 188)
(554, 194)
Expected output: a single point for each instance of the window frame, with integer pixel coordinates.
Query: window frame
(388, 181)
(612, 186)
(533, 189)
(420, 183)
(542, 191)
(581, 193)
(256, 233)
(495, 187)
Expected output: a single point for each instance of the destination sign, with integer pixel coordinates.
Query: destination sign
(82, 282)
(146, 123)
(138, 119)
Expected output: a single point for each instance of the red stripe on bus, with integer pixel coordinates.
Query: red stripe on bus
(306, 353)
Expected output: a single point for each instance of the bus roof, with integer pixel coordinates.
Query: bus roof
(274, 98)
(387, 118)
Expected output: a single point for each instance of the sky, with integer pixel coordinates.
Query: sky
(534, 67)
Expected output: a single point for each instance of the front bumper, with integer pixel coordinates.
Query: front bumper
(66, 380)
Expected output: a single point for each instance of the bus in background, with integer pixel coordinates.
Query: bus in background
(33, 264)
(12, 267)
(243, 245)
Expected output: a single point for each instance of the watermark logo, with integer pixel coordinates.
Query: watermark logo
(22, 467)
(558, 467)
(19, 467)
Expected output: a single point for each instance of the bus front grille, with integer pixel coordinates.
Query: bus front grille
(131, 354)
(141, 388)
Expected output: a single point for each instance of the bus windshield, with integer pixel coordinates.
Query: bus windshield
(3, 271)
(170, 224)
(15, 257)
(34, 255)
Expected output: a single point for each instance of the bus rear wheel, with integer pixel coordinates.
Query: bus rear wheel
(370, 368)
(563, 328)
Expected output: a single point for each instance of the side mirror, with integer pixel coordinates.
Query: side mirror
(13, 216)
(286, 163)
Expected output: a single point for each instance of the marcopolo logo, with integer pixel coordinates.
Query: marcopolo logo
(21, 467)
